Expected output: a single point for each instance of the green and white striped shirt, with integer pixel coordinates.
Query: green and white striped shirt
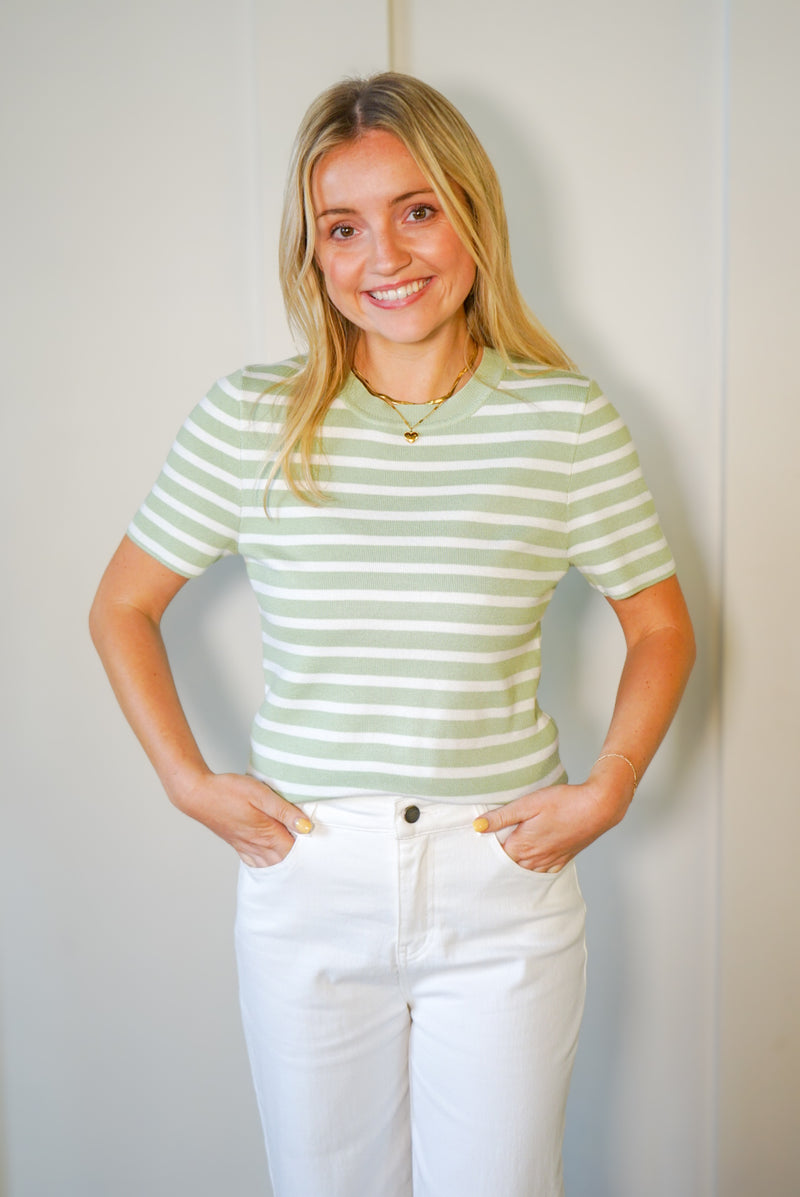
(401, 620)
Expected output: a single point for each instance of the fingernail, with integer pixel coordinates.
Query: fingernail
(481, 823)
(303, 825)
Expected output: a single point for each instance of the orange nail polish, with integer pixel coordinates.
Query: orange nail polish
(481, 823)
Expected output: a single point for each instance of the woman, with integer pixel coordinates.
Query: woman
(406, 497)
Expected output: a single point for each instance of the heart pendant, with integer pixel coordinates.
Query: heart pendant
(411, 437)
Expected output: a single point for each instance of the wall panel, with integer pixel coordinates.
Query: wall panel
(605, 125)
(144, 148)
(760, 887)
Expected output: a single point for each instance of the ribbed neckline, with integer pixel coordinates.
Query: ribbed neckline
(464, 403)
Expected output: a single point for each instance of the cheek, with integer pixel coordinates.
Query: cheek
(466, 271)
(333, 278)
(461, 264)
(332, 272)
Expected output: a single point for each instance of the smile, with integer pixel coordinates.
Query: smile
(392, 294)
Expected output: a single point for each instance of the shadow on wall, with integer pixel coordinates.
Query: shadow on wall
(212, 634)
(4, 1181)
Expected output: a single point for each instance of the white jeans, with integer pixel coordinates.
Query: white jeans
(411, 1001)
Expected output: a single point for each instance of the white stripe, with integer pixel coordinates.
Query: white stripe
(443, 440)
(446, 714)
(266, 375)
(417, 542)
(221, 416)
(447, 772)
(202, 492)
(178, 533)
(587, 435)
(433, 568)
(519, 384)
(536, 407)
(442, 627)
(601, 542)
(603, 459)
(209, 439)
(162, 554)
(458, 656)
(642, 581)
(354, 680)
(308, 790)
(608, 512)
(233, 451)
(447, 599)
(205, 466)
(603, 488)
(406, 465)
(489, 518)
(634, 555)
(396, 740)
(192, 513)
(501, 490)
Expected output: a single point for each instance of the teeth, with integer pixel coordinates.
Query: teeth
(399, 292)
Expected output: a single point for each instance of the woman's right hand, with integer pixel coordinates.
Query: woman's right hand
(125, 624)
(247, 814)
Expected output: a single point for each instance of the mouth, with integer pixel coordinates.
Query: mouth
(400, 293)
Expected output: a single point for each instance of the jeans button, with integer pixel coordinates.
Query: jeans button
(411, 814)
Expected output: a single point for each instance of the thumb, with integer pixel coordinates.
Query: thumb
(293, 818)
(507, 815)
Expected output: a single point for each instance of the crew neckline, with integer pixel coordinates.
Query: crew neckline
(464, 403)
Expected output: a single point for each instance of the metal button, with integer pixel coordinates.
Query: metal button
(411, 814)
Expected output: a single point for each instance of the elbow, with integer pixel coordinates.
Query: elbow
(97, 621)
(689, 642)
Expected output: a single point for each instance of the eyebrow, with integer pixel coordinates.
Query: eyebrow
(400, 199)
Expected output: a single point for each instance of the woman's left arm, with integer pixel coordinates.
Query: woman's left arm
(554, 824)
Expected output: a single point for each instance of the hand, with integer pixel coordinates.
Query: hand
(554, 824)
(248, 815)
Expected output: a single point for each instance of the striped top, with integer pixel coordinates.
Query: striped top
(401, 619)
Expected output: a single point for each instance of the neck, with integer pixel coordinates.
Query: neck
(414, 373)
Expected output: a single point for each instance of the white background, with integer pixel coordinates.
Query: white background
(649, 155)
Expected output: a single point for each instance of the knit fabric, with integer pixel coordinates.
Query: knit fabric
(401, 619)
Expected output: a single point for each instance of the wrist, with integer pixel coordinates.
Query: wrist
(185, 789)
(614, 778)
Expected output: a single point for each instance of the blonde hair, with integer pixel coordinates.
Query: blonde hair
(450, 156)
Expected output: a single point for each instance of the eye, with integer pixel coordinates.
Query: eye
(421, 212)
(342, 232)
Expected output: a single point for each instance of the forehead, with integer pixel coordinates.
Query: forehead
(375, 166)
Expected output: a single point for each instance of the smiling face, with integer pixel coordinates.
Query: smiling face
(392, 262)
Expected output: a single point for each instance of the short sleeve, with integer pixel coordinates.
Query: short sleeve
(191, 517)
(614, 535)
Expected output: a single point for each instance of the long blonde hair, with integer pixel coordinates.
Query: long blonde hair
(450, 156)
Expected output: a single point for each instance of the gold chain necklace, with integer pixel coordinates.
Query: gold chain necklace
(435, 404)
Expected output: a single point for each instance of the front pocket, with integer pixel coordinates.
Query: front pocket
(512, 864)
(260, 872)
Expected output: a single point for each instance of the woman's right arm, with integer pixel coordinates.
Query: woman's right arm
(125, 620)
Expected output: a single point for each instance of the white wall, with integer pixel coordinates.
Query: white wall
(145, 150)
(760, 826)
(604, 122)
(133, 262)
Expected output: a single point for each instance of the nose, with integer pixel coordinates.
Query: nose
(389, 254)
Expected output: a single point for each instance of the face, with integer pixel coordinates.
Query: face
(392, 262)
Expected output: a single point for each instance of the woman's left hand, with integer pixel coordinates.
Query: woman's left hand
(551, 826)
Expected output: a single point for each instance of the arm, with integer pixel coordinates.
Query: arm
(125, 626)
(558, 822)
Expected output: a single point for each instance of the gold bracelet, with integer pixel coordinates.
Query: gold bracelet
(604, 756)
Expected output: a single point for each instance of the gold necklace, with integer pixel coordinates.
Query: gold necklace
(435, 404)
